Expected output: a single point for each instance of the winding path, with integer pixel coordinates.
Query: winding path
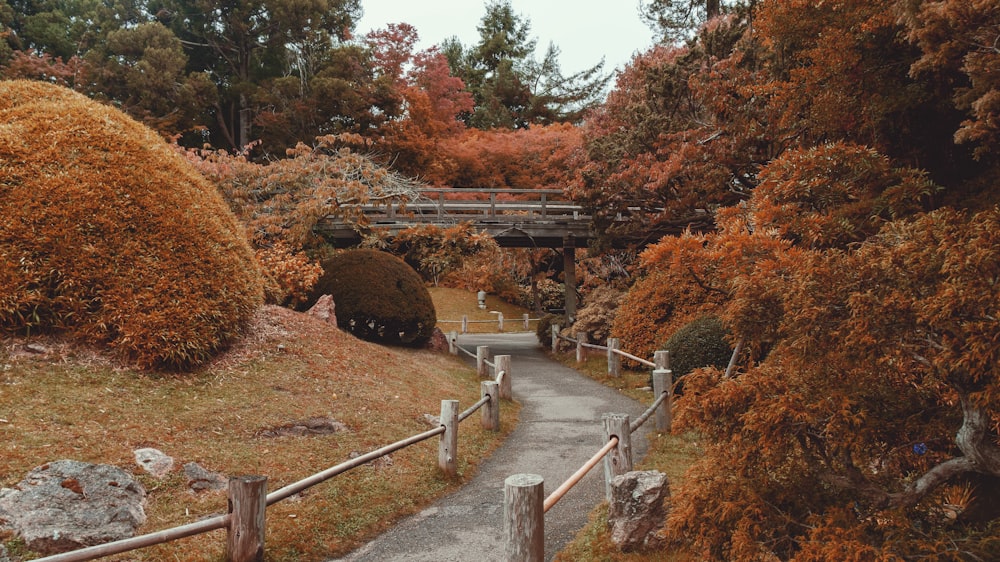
(560, 428)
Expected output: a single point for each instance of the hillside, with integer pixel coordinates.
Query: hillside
(59, 401)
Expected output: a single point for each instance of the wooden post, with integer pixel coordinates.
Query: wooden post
(661, 359)
(500, 320)
(555, 337)
(491, 410)
(247, 504)
(453, 342)
(524, 518)
(448, 446)
(526, 320)
(569, 274)
(482, 354)
(581, 352)
(503, 365)
(663, 383)
(614, 360)
(465, 324)
(619, 460)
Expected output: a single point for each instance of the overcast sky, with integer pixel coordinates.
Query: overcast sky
(584, 30)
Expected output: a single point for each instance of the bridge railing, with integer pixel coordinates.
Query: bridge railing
(467, 203)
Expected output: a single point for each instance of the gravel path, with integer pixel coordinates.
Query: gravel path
(560, 429)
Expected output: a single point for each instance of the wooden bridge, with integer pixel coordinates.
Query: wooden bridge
(515, 218)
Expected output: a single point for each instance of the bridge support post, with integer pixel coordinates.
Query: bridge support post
(569, 273)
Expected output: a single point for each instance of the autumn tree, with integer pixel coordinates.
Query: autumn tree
(433, 101)
(281, 202)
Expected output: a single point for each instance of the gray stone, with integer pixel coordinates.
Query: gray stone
(66, 505)
(154, 461)
(324, 309)
(200, 479)
(638, 509)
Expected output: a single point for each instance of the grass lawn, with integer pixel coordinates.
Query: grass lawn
(72, 403)
(452, 304)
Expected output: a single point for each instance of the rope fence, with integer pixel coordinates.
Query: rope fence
(526, 321)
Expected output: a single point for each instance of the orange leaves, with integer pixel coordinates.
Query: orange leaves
(109, 234)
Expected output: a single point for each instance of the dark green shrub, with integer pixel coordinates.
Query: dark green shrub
(544, 329)
(378, 297)
(699, 343)
(108, 235)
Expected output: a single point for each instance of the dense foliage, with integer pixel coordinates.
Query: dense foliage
(699, 343)
(107, 234)
(377, 296)
(836, 162)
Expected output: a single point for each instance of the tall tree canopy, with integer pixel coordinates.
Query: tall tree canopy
(510, 88)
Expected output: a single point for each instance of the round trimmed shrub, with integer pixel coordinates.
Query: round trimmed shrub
(544, 330)
(699, 343)
(378, 297)
(109, 235)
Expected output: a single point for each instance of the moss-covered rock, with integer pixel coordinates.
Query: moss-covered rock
(106, 233)
(378, 297)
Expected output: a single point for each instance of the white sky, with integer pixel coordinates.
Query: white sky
(584, 30)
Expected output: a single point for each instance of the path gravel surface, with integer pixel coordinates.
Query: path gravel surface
(560, 428)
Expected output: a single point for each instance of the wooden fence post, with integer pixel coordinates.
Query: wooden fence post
(491, 410)
(526, 320)
(247, 504)
(614, 360)
(555, 337)
(453, 342)
(581, 352)
(619, 460)
(500, 320)
(448, 446)
(465, 324)
(663, 383)
(503, 365)
(524, 518)
(482, 354)
(661, 359)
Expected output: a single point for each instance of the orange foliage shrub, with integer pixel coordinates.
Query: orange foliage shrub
(106, 233)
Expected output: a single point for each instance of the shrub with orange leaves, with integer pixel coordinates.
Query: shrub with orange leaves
(107, 234)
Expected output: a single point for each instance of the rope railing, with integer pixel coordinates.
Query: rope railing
(292, 489)
(472, 409)
(143, 541)
(649, 412)
(573, 480)
(628, 355)
(500, 321)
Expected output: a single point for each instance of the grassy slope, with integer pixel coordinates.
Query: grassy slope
(73, 404)
(451, 304)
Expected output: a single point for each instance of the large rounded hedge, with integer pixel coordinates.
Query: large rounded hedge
(378, 297)
(106, 233)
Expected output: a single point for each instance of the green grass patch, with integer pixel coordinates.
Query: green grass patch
(451, 304)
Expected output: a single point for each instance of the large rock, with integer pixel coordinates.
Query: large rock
(66, 505)
(324, 309)
(638, 509)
